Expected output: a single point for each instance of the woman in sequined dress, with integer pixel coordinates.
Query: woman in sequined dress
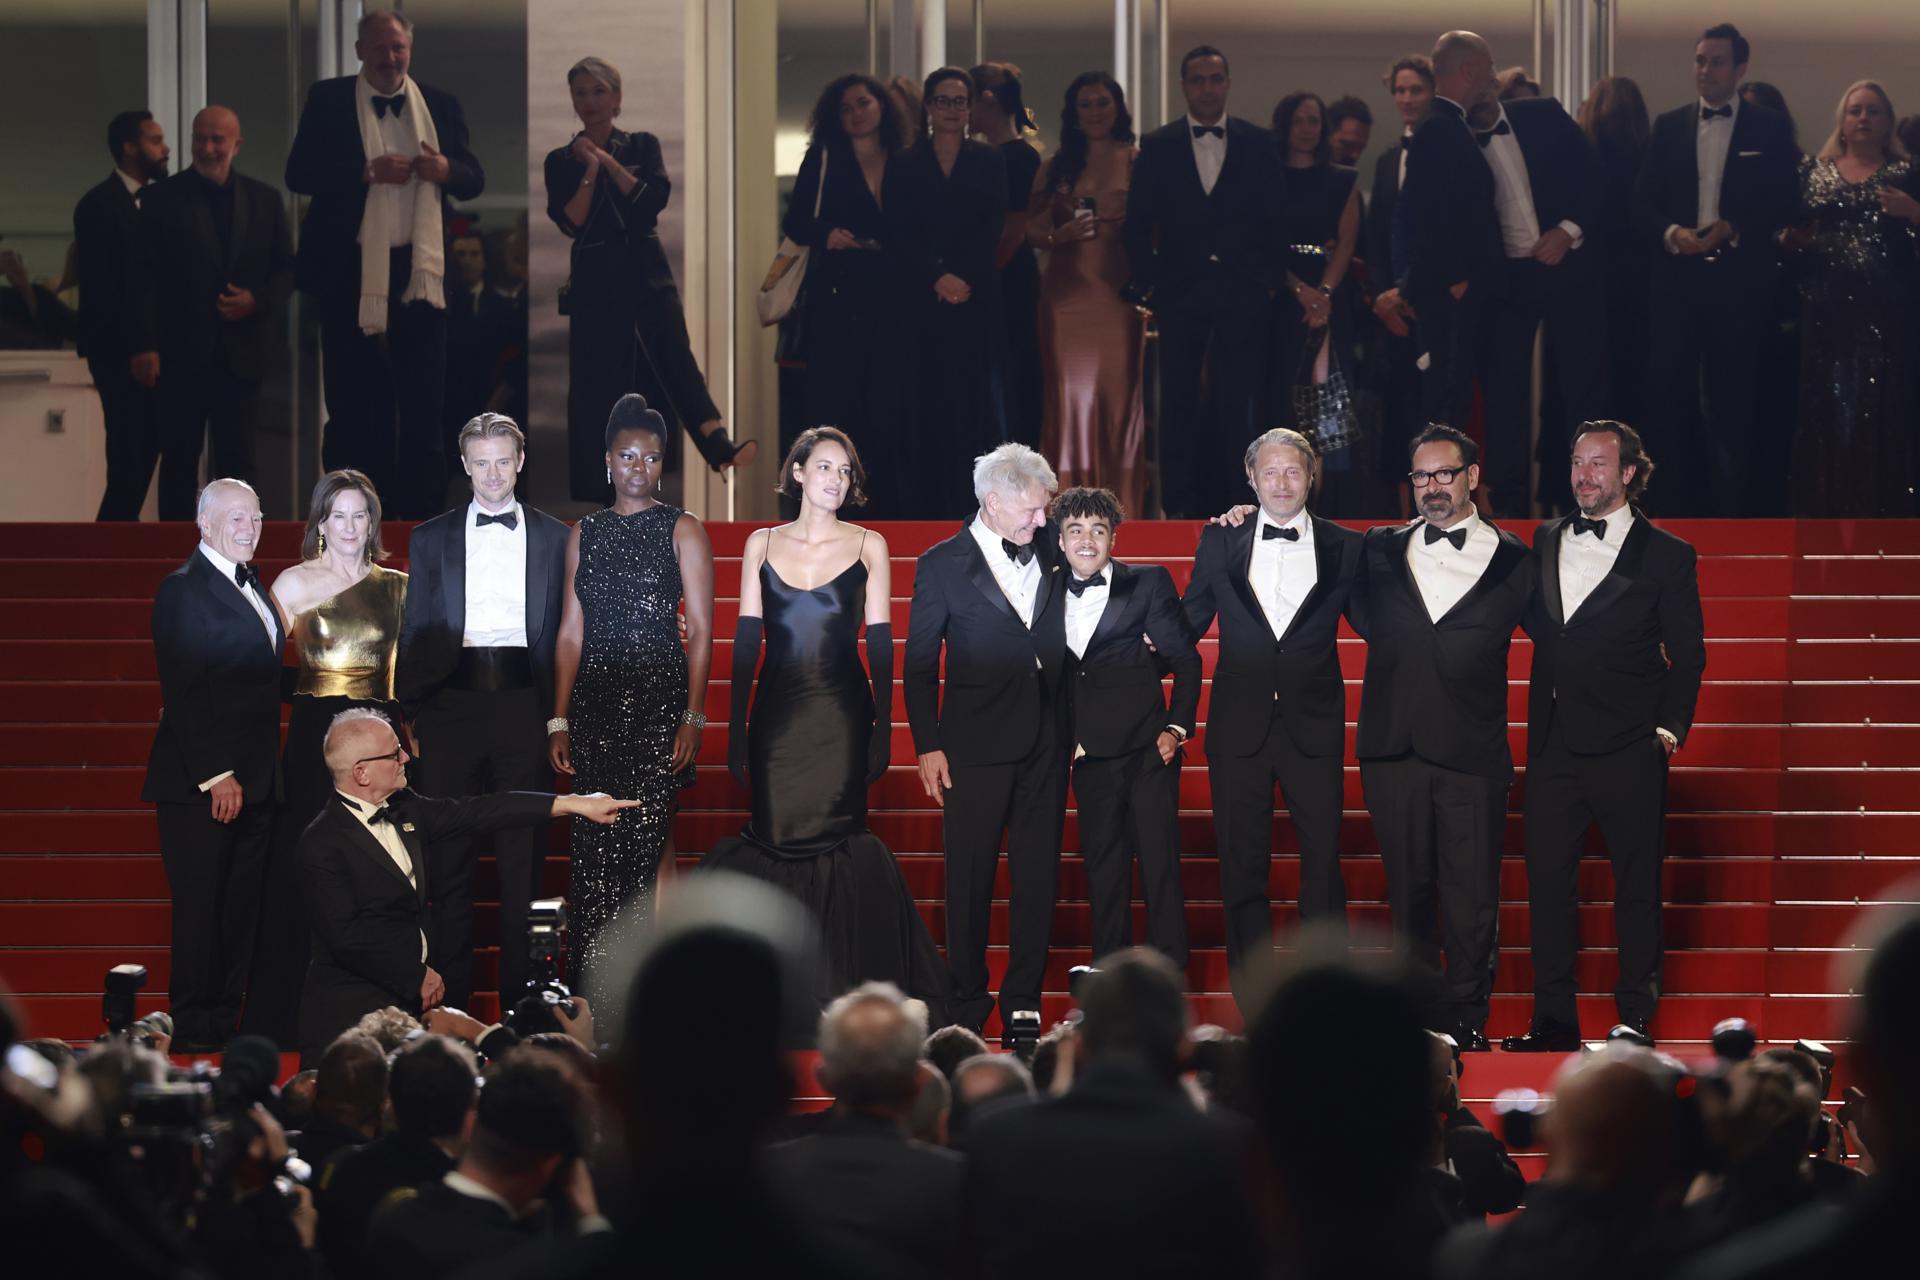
(627, 695)
(1859, 247)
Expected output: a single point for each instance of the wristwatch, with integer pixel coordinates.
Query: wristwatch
(1176, 731)
(1669, 737)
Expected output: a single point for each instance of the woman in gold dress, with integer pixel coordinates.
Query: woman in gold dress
(342, 611)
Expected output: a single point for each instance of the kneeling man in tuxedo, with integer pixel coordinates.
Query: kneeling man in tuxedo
(1126, 739)
(363, 864)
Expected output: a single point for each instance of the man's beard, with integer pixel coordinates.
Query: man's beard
(153, 170)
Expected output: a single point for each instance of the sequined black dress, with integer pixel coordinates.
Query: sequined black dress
(1854, 452)
(807, 740)
(626, 706)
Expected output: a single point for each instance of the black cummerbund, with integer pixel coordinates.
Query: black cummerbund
(493, 669)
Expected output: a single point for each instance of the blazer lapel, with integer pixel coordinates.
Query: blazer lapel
(1398, 546)
(536, 576)
(1188, 165)
(239, 229)
(1550, 570)
(1120, 591)
(1690, 161)
(227, 592)
(1626, 567)
(1240, 556)
(1504, 554)
(363, 840)
(982, 577)
(453, 574)
(1326, 561)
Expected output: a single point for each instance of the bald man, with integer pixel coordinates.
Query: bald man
(212, 272)
(364, 868)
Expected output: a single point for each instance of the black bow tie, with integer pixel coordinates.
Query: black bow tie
(1275, 531)
(509, 519)
(1202, 130)
(245, 575)
(1021, 553)
(383, 814)
(1458, 537)
(1598, 528)
(1079, 585)
(381, 106)
(1709, 113)
(1488, 135)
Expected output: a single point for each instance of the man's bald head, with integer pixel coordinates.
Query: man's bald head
(1463, 68)
(362, 754)
(216, 141)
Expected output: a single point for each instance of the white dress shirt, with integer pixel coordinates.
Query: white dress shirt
(1406, 136)
(135, 187)
(1085, 610)
(389, 837)
(1210, 152)
(1282, 573)
(1445, 575)
(1513, 193)
(396, 138)
(1712, 139)
(1585, 559)
(1019, 583)
(496, 581)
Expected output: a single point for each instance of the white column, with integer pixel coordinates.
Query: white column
(163, 72)
(903, 40)
(933, 36)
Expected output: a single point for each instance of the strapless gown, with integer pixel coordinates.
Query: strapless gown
(807, 736)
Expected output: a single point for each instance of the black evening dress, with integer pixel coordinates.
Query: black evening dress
(1854, 452)
(626, 707)
(1316, 197)
(1020, 298)
(807, 742)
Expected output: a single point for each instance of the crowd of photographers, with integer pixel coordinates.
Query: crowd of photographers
(1329, 1141)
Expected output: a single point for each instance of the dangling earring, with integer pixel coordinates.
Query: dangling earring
(323, 542)
(609, 475)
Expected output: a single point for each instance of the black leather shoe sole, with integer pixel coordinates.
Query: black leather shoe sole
(1542, 1042)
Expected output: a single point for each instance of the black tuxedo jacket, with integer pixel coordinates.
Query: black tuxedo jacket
(1301, 667)
(327, 163)
(997, 697)
(366, 919)
(939, 224)
(1439, 689)
(1630, 659)
(353, 1190)
(182, 268)
(443, 1232)
(1174, 226)
(1115, 695)
(1376, 245)
(106, 224)
(1563, 169)
(1452, 225)
(219, 685)
(1758, 188)
(436, 615)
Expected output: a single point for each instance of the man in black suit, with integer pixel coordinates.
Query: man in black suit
(475, 678)
(991, 751)
(367, 882)
(1718, 182)
(1546, 186)
(1125, 738)
(379, 153)
(105, 228)
(1205, 257)
(1154, 1181)
(1442, 598)
(1279, 585)
(880, 1204)
(214, 270)
(1619, 646)
(213, 774)
(1453, 254)
(1410, 81)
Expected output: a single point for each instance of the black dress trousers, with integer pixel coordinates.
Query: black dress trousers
(1130, 806)
(215, 872)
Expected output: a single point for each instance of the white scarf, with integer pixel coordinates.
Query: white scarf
(427, 283)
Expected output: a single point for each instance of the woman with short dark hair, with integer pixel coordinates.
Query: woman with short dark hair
(1001, 118)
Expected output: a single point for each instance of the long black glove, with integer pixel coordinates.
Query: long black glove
(880, 662)
(746, 657)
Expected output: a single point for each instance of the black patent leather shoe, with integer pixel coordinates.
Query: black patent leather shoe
(1543, 1040)
(1470, 1040)
(1634, 1030)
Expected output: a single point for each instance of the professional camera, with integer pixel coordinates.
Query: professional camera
(533, 1012)
(1021, 1035)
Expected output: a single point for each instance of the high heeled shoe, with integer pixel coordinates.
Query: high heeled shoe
(720, 450)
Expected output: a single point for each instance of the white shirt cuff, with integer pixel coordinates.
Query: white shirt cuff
(1668, 238)
(1572, 228)
(216, 780)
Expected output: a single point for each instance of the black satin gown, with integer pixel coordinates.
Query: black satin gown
(807, 741)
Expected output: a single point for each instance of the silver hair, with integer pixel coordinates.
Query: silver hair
(1003, 1064)
(207, 495)
(1453, 50)
(372, 16)
(863, 1069)
(1279, 436)
(336, 762)
(1011, 469)
(596, 69)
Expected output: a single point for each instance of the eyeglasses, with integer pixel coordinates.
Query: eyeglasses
(393, 755)
(1439, 475)
(951, 104)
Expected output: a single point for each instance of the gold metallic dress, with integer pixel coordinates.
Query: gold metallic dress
(347, 645)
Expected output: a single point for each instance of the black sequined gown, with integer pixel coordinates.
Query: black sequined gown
(807, 739)
(626, 706)
(1854, 452)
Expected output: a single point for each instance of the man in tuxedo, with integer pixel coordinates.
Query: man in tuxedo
(379, 154)
(1205, 255)
(1410, 81)
(367, 881)
(213, 775)
(991, 751)
(214, 270)
(1442, 598)
(475, 679)
(1618, 650)
(1546, 187)
(1125, 737)
(479, 318)
(1278, 585)
(105, 229)
(1719, 180)
(1452, 257)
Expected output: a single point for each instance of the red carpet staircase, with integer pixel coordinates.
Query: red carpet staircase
(1793, 803)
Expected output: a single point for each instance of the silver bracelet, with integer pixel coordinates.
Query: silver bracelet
(557, 725)
(695, 718)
